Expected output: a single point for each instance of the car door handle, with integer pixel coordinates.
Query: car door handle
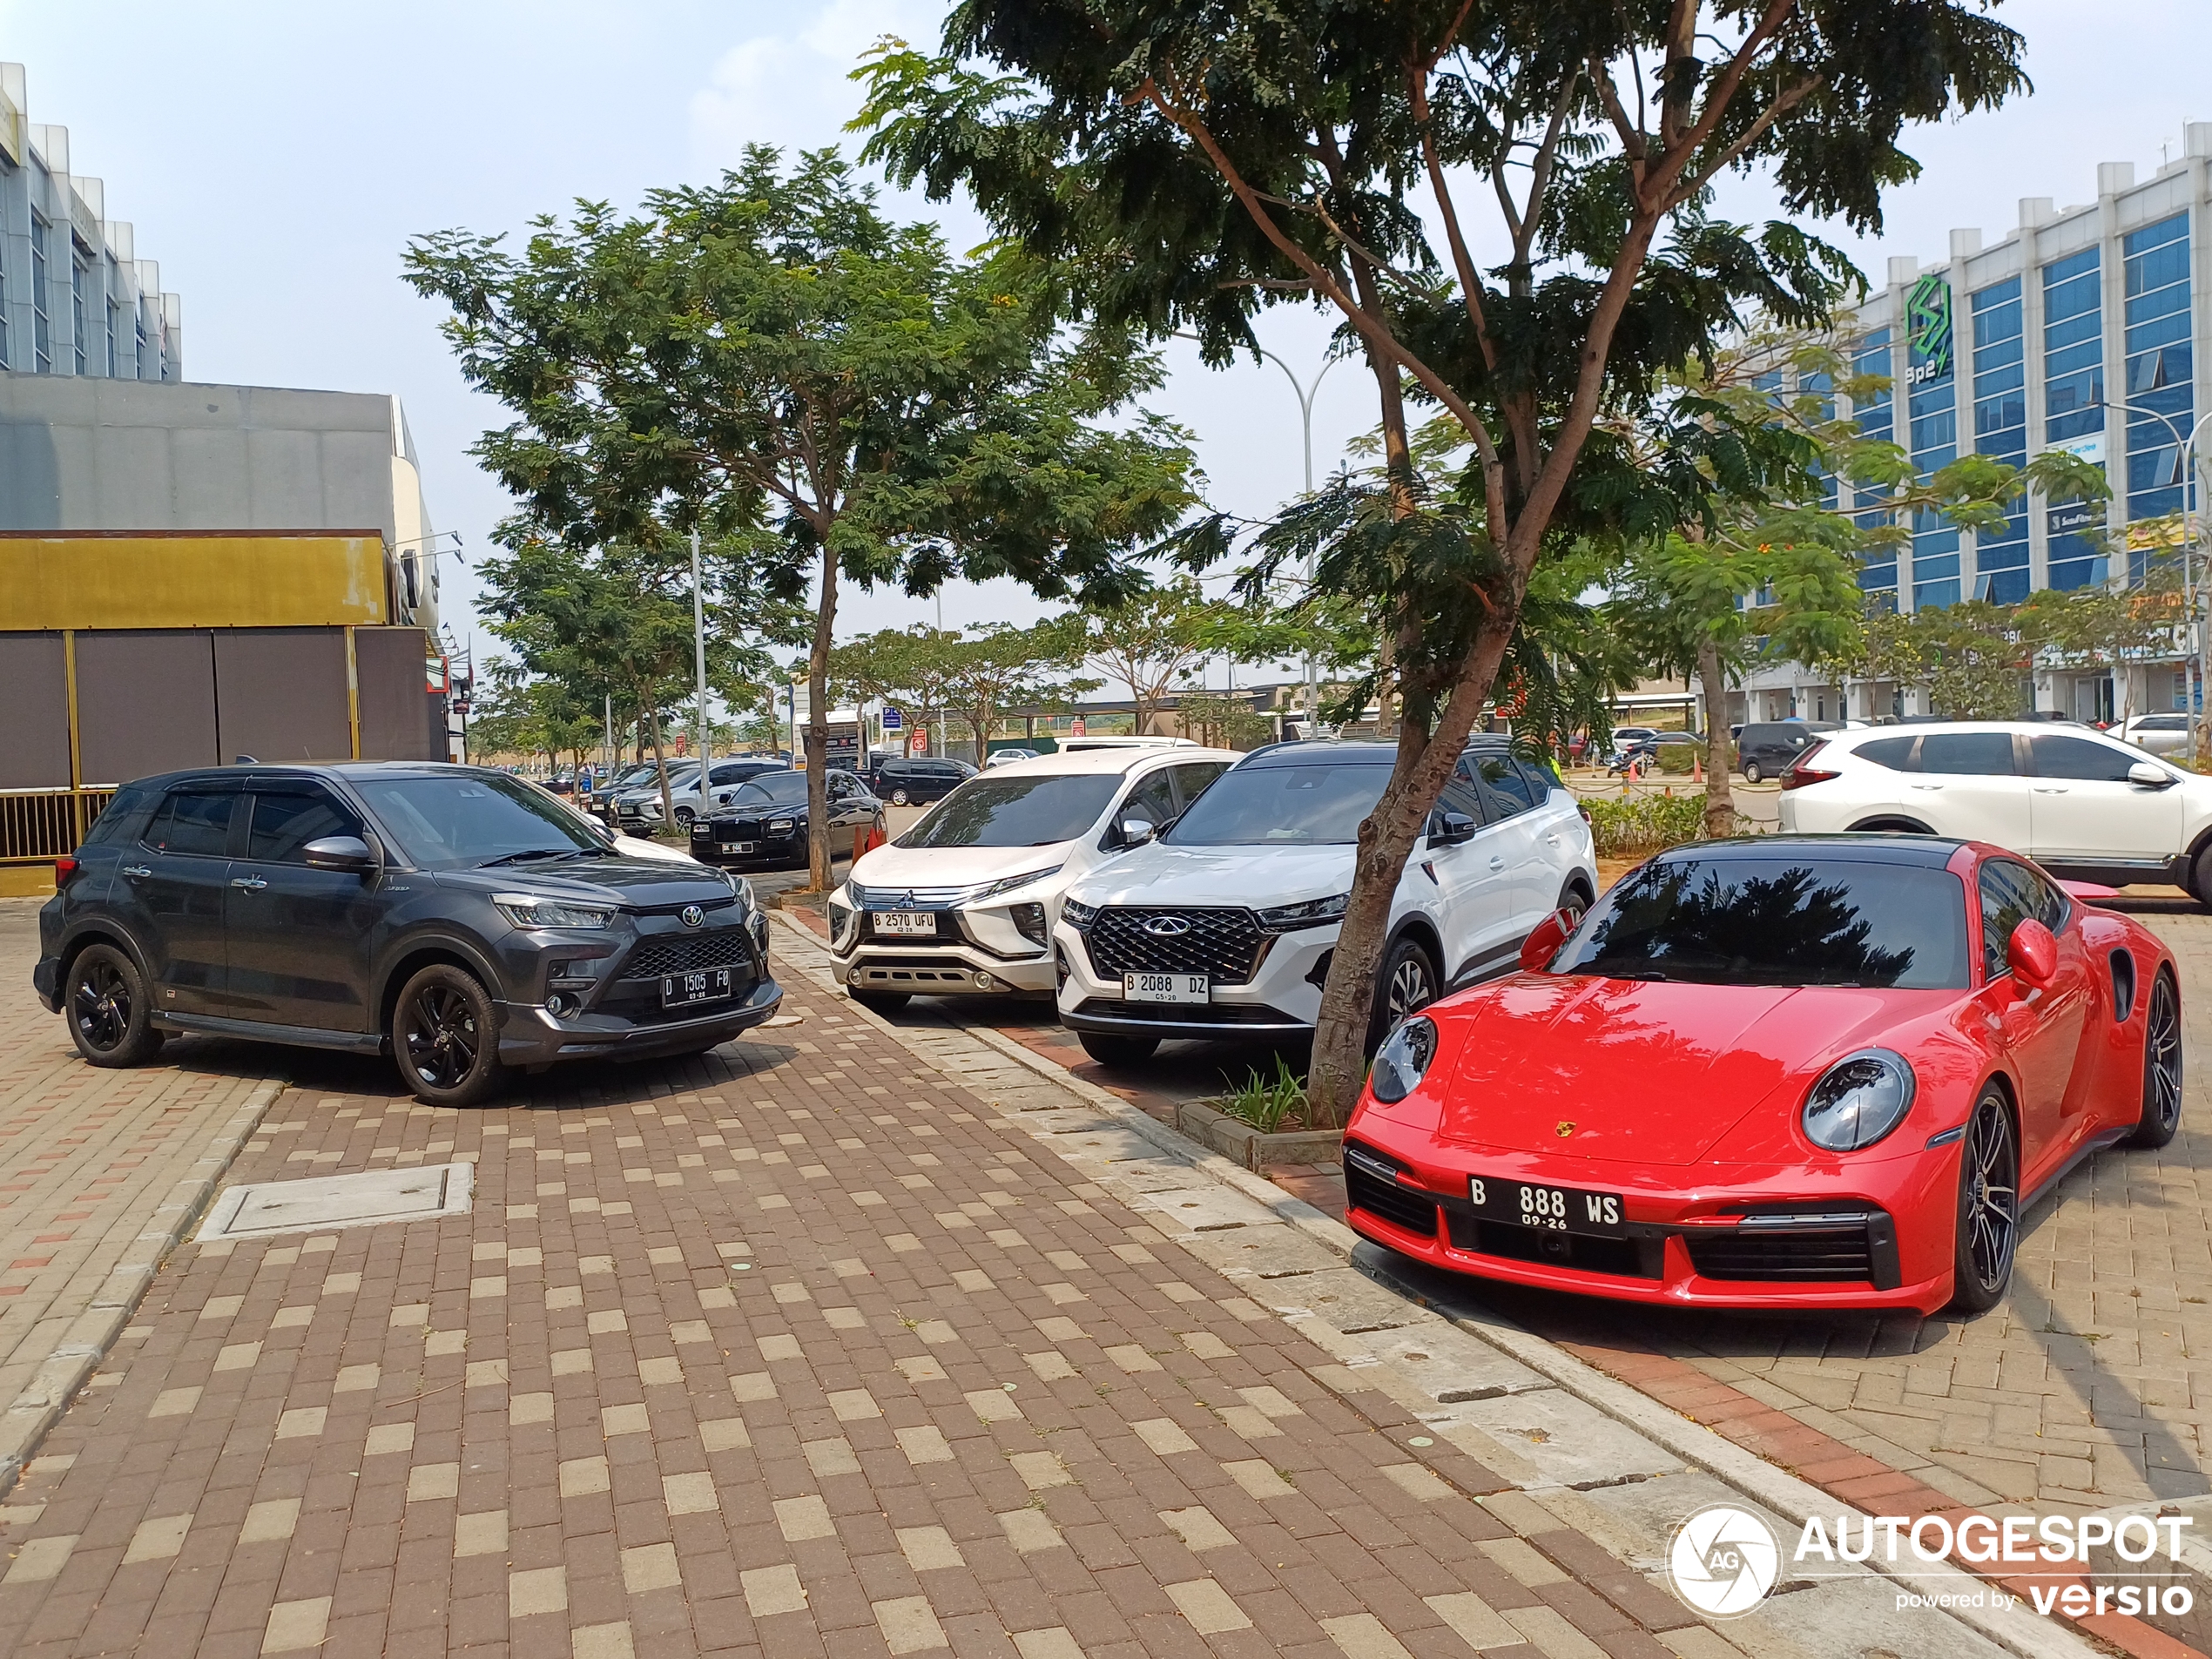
(1928, 787)
(2051, 789)
(250, 883)
(1497, 864)
(137, 870)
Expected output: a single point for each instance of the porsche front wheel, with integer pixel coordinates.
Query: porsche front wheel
(1988, 1217)
(2161, 1066)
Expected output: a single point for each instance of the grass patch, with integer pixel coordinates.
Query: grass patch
(1271, 1105)
(1638, 825)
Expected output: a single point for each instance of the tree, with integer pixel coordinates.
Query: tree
(1221, 721)
(772, 360)
(910, 667)
(999, 665)
(1151, 639)
(1195, 163)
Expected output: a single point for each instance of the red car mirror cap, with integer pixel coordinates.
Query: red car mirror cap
(2032, 955)
(1543, 944)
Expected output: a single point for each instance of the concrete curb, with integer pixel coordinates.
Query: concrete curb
(2014, 1630)
(34, 1411)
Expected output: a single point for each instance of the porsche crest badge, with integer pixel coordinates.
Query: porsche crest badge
(1564, 1129)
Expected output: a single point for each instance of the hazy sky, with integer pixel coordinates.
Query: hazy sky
(275, 158)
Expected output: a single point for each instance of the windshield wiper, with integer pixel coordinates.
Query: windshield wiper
(531, 852)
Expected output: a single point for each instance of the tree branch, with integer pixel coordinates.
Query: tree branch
(1783, 103)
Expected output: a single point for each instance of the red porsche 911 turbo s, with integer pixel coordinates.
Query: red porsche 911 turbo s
(1786, 1072)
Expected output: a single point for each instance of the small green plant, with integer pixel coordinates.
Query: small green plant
(1269, 1104)
(1635, 826)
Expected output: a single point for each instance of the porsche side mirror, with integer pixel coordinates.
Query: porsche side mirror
(2032, 955)
(1452, 829)
(1135, 832)
(1543, 943)
(347, 853)
(2150, 776)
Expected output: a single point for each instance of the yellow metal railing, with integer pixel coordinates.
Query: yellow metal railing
(38, 826)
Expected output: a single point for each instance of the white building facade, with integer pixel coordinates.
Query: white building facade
(75, 298)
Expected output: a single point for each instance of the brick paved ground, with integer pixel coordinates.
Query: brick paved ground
(797, 1348)
(98, 1169)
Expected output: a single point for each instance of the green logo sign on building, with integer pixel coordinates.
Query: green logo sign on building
(1927, 330)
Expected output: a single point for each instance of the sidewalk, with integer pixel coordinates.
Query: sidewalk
(804, 1348)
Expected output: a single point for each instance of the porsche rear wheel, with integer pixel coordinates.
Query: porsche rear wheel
(1988, 1222)
(2161, 1066)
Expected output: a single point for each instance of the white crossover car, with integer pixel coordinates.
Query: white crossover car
(2162, 734)
(963, 902)
(2084, 805)
(1225, 927)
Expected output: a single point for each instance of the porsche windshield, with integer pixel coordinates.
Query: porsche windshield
(1779, 920)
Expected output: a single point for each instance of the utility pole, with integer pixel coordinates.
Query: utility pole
(699, 649)
(1304, 395)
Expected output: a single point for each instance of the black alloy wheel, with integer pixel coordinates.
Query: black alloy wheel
(109, 1013)
(1407, 985)
(445, 1037)
(2161, 1066)
(1989, 1229)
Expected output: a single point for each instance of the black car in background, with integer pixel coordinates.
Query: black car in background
(913, 783)
(1767, 748)
(764, 823)
(455, 918)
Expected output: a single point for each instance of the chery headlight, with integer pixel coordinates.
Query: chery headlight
(527, 910)
(1009, 884)
(1314, 912)
(1078, 914)
(1402, 1062)
(1859, 1100)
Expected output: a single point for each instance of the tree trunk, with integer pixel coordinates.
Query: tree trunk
(660, 768)
(820, 876)
(1720, 796)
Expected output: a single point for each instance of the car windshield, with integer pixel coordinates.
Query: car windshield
(1316, 805)
(1015, 811)
(1782, 920)
(462, 819)
(771, 789)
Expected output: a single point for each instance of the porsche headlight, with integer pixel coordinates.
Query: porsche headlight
(1314, 912)
(1402, 1062)
(1859, 1100)
(527, 910)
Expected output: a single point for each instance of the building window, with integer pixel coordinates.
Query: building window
(114, 328)
(1931, 408)
(42, 328)
(80, 330)
(2000, 431)
(1875, 409)
(7, 358)
(138, 351)
(2073, 390)
(2160, 364)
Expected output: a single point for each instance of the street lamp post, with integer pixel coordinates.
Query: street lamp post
(2193, 661)
(1304, 394)
(699, 649)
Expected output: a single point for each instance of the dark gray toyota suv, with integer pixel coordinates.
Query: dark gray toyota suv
(455, 918)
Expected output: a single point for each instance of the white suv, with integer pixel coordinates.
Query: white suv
(963, 902)
(2082, 804)
(1223, 927)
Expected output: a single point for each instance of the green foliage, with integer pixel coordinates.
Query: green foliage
(1633, 827)
(1221, 722)
(1269, 1104)
(1151, 639)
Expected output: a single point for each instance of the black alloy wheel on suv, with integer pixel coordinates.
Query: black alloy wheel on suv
(461, 921)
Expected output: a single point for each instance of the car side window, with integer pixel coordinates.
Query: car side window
(2012, 893)
(1980, 754)
(1458, 795)
(1152, 800)
(284, 823)
(125, 816)
(1507, 792)
(1896, 753)
(1192, 781)
(2080, 758)
(1541, 783)
(195, 822)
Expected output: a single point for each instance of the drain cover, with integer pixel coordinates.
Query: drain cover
(273, 1207)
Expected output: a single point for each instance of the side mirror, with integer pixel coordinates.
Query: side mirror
(2150, 776)
(2032, 955)
(1135, 832)
(347, 853)
(1543, 943)
(1451, 829)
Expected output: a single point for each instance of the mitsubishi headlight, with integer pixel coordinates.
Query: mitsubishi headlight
(1314, 912)
(1859, 1100)
(1403, 1061)
(1009, 884)
(528, 910)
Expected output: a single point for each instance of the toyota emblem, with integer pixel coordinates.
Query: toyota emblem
(1167, 926)
(692, 915)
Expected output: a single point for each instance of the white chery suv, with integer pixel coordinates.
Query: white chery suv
(2084, 805)
(962, 903)
(1223, 927)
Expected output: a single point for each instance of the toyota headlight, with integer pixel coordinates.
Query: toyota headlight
(1314, 912)
(1403, 1061)
(527, 910)
(1009, 884)
(1859, 1100)
(1076, 914)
